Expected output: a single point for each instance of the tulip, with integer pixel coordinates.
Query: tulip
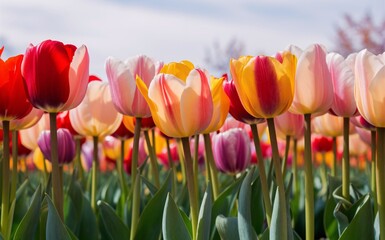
(289, 124)
(96, 117)
(330, 125)
(66, 151)
(29, 136)
(232, 151)
(122, 75)
(313, 95)
(322, 144)
(368, 89)
(123, 132)
(55, 78)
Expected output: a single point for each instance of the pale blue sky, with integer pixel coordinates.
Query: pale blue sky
(174, 30)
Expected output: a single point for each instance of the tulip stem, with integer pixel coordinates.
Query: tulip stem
(278, 175)
(212, 170)
(380, 174)
(334, 165)
(172, 166)
(120, 170)
(5, 183)
(195, 161)
(181, 159)
(57, 187)
(94, 172)
(309, 184)
(295, 165)
(153, 159)
(262, 173)
(14, 164)
(135, 178)
(78, 163)
(345, 162)
(284, 164)
(373, 136)
(193, 197)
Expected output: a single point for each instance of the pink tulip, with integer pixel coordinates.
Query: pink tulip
(289, 124)
(313, 86)
(122, 76)
(342, 76)
(365, 135)
(369, 87)
(96, 115)
(232, 151)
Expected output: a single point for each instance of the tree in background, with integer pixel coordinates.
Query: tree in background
(355, 35)
(217, 57)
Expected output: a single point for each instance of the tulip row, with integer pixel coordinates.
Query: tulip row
(297, 92)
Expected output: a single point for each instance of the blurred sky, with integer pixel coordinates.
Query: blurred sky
(173, 30)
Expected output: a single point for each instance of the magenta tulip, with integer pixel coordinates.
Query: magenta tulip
(66, 144)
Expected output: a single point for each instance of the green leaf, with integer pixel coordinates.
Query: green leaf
(186, 221)
(204, 218)
(172, 223)
(112, 223)
(277, 227)
(88, 227)
(245, 227)
(257, 208)
(227, 227)
(153, 189)
(225, 203)
(330, 222)
(149, 226)
(74, 206)
(55, 228)
(358, 216)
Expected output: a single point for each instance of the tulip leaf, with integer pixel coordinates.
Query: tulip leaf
(204, 218)
(149, 226)
(245, 227)
(330, 222)
(186, 221)
(173, 225)
(227, 227)
(355, 219)
(224, 203)
(88, 228)
(55, 228)
(153, 189)
(257, 209)
(377, 227)
(74, 206)
(113, 225)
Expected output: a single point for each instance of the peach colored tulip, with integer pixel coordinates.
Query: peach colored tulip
(369, 87)
(289, 124)
(26, 122)
(330, 125)
(122, 74)
(342, 76)
(96, 115)
(29, 136)
(180, 99)
(313, 86)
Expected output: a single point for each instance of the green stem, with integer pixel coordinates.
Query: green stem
(153, 159)
(119, 166)
(323, 175)
(373, 136)
(278, 175)
(57, 188)
(181, 159)
(135, 206)
(172, 166)
(334, 165)
(262, 173)
(135, 149)
(78, 163)
(345, 162)
(380, 175)
(94, 172)
(193, 197)
(284, 164)
(295, 165)
(309, 184)
(14, 164)
(212, 171)
(195, 161)
(5, 183)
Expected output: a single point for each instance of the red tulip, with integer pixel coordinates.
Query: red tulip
(123, 132)
(13, 99)
(322, 144)
(55, 75)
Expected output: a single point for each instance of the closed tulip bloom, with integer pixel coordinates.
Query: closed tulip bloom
(322, 144)
(265, 84)
(122, 75)
(313, 85)
(55, 75)
(342, 76)
(290, 124)
(29, 136)
(369, 87)
(122, 132)
(27, 121)
(232, 151)
(330, 125)
(66, 145)
(236, 108)
(146, 123)
(180, 99)
(221, 105)
(63, 121)
(96, 115)
(360, 122)
(13, 100)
